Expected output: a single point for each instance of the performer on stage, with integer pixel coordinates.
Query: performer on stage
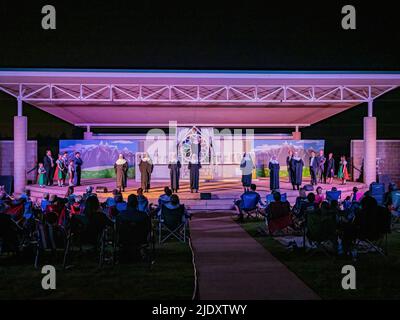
(146, 168)
(41, 175)
(48, 163)
(59, 173)
(71, 173)
(78, 169)
(313, 168)
(174, 167)
(194, 168)
(321, 166)
(246, 166)
(121, 170)
(66, 163)
(297, 165)
(274, 168)
(343, 173)
(289, 165)
(330, 170)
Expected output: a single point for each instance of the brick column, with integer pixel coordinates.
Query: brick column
(20, 141)
(369, 150)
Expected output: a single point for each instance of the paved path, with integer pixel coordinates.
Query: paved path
(232, 265)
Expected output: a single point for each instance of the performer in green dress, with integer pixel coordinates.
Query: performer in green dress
(41, 175)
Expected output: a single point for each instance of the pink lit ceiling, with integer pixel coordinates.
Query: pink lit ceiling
(230, 99)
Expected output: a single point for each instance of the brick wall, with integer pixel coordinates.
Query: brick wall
(387, 154)
(7, 158)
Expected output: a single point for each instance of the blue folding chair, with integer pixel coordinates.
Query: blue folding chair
(333, 195)
(270, 198)
(377, 191)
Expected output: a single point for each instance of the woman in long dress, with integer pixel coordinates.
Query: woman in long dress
(121, 170)
(330, 170)
(297, 165)
(146, 168)
(343, 173)
(41, 175)
(174, 167)
(59, 173)
(194, 168)
(289, 165)
(274, 168)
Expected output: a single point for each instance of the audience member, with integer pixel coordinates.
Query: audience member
(319, 197)
(249, 200)
(143, 203)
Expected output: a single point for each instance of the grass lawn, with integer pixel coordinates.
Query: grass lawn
(171, 277)
(376, 277)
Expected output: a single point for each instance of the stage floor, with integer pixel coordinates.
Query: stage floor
(223, 192)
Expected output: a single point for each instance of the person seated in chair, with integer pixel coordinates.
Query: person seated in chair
(249, 201)
(277, 207)
(300, 200)
(175, 204)
(94, 218)
(356, 195)
(131, 213)
(8, 231)
(88, 193)
(45, 202)
(278, 214)
(166, 197)
(309, 206)
(143, 203)
(133, 228)
(120, 204)
(392, 201)
(319, 197)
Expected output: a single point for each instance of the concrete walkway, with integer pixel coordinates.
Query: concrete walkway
(232, 265)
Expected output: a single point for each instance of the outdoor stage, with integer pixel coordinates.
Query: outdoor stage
(223, 192)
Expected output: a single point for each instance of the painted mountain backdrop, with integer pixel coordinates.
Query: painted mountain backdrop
(265, 149)
(99, 156)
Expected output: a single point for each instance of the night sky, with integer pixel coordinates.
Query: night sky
(247, 36)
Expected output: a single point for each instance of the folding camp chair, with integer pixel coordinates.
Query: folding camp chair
(278, 217)
(49, 235)
(372, 235)
(249, 205)
(82, 232)
(333, 195)
(173, 222)
(270, 198)
(134, 237)
(9, 234)
(320, 230)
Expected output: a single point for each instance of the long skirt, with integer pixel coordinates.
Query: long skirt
(42, 179)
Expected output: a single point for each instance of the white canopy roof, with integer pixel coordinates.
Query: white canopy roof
(152, 98)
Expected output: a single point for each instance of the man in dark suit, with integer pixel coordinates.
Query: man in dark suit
(313, 168)
(48, 163)
(78, 168)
